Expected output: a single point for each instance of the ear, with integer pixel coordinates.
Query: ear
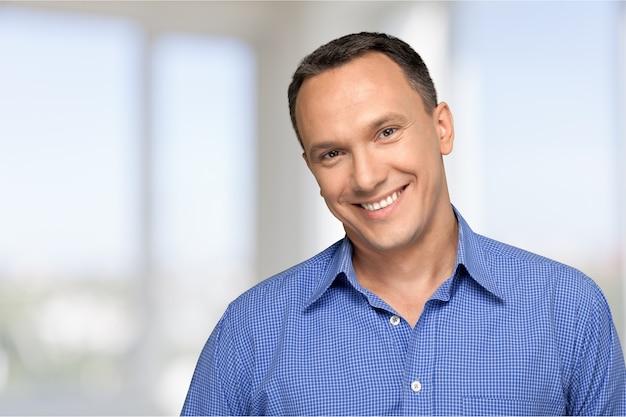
(445, 127)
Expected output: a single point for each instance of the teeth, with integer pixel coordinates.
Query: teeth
(382, 203)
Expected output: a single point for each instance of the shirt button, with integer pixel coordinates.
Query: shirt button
(395, 320)
(416, 386)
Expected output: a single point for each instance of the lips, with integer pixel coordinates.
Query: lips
(382, 203)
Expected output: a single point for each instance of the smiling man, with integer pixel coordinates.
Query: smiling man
(412, 313)
(376, 153)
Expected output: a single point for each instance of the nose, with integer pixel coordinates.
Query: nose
(367, 171)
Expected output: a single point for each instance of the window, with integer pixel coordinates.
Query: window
(537, 155)
(109, 228)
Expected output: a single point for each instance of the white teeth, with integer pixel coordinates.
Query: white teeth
(382, 203)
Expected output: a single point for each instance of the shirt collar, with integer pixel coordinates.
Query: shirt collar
(470, 254)
(340, 264)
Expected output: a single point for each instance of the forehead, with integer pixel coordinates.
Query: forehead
(354, 94)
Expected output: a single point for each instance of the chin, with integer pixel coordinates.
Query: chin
(387, 245)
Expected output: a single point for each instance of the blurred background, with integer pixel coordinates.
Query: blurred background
(149, 173)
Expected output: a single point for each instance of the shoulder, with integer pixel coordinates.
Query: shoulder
(285, 291)
(241, 346)
(526, 269)
(517, 274)
(572, 298)
(566, 312)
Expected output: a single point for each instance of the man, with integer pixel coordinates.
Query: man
(412, 312)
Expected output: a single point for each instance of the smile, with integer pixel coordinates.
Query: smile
(382, 203)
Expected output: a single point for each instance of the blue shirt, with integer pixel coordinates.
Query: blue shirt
(510, 333)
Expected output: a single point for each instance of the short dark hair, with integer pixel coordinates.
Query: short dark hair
(346, 48)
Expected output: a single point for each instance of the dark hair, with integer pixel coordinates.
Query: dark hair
(343, 50)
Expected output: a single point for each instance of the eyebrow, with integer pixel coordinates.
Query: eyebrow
(321, 146)
(391, 117)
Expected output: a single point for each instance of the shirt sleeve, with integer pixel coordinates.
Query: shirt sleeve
(598, 383)
(219, 378)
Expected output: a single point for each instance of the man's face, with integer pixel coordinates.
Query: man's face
(375, 152)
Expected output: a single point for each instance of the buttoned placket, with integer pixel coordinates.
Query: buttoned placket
(419, 355)
(413, 385)
(418, 365)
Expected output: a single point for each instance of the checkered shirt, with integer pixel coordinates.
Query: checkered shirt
(510, 333)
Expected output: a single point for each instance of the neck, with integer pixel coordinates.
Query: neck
(429, 255)
(406, 278)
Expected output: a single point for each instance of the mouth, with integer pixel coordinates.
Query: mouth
(385, 202)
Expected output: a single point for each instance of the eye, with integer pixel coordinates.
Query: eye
(330, 154)
(385, 133)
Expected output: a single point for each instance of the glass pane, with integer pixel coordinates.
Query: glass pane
(67, 186)
(204, 192)
(545, 82)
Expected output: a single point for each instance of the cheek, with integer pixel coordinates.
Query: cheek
(330, 192)
(419, 154)
(328, 183)
(408, 158)
(334, 187)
